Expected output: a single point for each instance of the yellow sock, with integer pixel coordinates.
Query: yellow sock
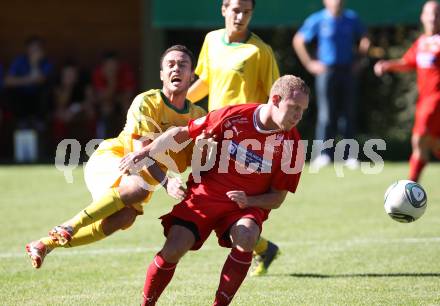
(49, 243)
(107, 205)
(87, 234)
(261, 246)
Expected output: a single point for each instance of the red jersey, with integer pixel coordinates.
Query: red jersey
(248, 158)
(424, 55)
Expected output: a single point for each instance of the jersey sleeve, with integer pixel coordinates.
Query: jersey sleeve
(269, 70)
(202, 68)
(212, 123)
(410, 55)
(309, 29)
(287, 178)
(142, 118)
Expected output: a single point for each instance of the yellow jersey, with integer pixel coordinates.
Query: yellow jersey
(236, 73)
(151, 114)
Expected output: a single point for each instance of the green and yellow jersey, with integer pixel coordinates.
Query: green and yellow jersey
(149, 115)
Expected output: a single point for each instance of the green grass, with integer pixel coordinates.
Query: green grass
(338, 247)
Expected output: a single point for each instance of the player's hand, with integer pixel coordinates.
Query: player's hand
(175, 188)
(239, 197)
(208, 135)
(316, 67)
(131, 163)
(206, 143)
(380, 68)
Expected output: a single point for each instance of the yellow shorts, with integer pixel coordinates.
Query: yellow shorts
(101, 172)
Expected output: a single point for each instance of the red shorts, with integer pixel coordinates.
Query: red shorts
(427, 121)
(208, 214)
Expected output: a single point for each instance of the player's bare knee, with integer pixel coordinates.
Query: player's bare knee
(122, 219)
(245, 236)
(128, 217)
(132, 189)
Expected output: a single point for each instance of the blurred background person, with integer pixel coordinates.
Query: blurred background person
(73, 114)
(114, 83)
(28, 83)
(337, 32)
(424, 57)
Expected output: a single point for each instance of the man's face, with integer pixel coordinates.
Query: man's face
(430, 17)
(334, 6)
(69, 75)
(110, 68)
(35, 52)
(290, 110)
(237, 15)
(176, 73)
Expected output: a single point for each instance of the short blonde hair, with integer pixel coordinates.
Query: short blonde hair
(287, 84)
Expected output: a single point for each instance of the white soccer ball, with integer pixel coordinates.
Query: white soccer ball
(405, 201)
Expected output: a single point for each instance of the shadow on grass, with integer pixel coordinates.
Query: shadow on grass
(317, 275)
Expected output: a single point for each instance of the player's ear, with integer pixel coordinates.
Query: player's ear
(161, 75)
(223, 10)
(276, 99)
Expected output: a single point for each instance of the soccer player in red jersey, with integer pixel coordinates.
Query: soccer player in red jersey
(257, 162)
(236, 66)
(424, 57)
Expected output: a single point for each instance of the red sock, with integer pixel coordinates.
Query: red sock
(159, 274)
(234, 271)
(416, 166)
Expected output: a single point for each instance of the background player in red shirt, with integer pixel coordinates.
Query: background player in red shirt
(424, 57)
(256, 164)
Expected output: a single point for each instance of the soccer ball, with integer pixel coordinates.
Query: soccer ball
(405, 201)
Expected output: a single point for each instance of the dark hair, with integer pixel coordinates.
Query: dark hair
(226, 3)
(180, 48)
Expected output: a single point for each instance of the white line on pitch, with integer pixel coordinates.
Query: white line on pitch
(323, 243)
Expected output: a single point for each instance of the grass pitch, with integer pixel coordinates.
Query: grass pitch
(338, 247)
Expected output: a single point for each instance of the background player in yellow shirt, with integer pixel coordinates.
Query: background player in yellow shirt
(117, 197)
(234, 66)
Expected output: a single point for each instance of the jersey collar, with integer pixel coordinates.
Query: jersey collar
(167, 102)
(257, 127)
(232, 44)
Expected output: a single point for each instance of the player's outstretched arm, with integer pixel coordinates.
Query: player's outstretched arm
(173, 139)
(269, 200)
(397, 65)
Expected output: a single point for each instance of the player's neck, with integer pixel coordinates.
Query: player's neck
(335, 13)
(236, 37)
(176, 99)
(264, 119)
(432, 32)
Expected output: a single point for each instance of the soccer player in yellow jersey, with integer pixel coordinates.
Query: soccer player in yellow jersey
(234, 66)
(118, 197)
